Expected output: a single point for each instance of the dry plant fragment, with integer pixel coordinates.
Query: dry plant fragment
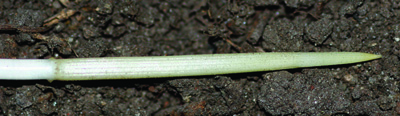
(64, 14)
(27, 29)
(53, 42)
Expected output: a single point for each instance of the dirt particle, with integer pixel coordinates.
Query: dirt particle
(46, 96)
(397, 109)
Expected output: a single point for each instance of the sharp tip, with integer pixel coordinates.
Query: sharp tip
(373, 56)
(376, 56)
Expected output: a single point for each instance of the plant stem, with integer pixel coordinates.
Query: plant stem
(170, 66)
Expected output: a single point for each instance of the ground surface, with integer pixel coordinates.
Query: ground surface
(110, 28)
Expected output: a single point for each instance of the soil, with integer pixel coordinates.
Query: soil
(108, 28)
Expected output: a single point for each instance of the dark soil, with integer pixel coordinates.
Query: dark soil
(117, 28)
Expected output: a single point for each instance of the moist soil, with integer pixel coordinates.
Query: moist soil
(61, 29)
